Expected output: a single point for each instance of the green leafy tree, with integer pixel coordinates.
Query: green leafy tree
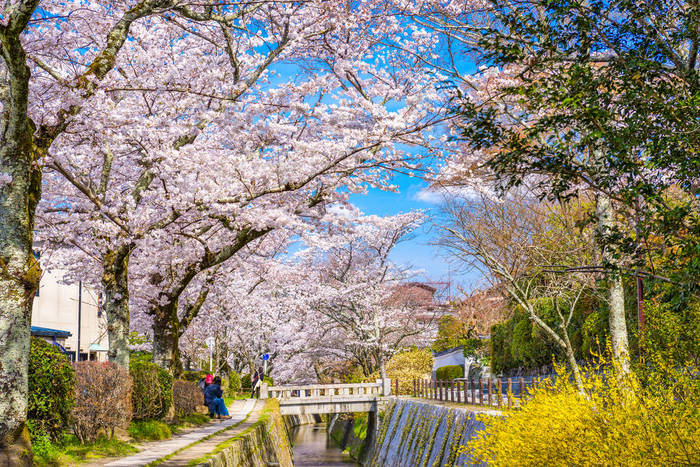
(597, 97)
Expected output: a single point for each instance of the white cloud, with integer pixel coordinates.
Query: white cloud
(429, 196)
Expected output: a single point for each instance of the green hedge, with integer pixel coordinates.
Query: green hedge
(234, 382)
(246, 381)
(51, 389)
(449, 372)
(152, 394)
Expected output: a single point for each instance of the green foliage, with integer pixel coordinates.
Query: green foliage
(246, 381)
(589, 122)
(137, 339)
(451, 333)
(472, 347)
(673, 335)
(449, 372)
(194, 375)
(152, 393)
(267, 380)
(149, 430)
(234, 382)
(518, 343)
(51, 389)
(359, 425)
(141, 356)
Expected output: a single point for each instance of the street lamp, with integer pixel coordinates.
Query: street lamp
(210, 341)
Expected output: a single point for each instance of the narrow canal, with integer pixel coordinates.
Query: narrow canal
(312, 447)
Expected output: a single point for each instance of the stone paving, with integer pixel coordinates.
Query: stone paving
(238, 411)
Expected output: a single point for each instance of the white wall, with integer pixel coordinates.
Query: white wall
(56, 307)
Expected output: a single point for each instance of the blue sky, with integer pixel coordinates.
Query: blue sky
(417, 252)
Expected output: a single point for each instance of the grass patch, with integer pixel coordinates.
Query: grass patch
(70, 452)
(195, 419)
(149, 430)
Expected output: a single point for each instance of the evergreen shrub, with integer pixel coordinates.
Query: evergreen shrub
(152, 394)
(51, 389)
(234, 382)
(449, 372)
(246, 381)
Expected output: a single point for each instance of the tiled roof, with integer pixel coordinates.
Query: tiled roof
(48, 332)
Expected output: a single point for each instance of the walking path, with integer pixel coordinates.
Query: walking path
(238, 411)
(199, 450)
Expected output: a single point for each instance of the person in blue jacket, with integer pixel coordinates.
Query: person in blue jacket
(213, 398)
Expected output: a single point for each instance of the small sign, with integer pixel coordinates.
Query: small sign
(266, 356)
(210, 341)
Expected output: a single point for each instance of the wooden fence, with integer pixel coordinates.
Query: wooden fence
(499, 392)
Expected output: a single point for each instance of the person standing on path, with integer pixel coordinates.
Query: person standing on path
(213, 397)
(257, 381)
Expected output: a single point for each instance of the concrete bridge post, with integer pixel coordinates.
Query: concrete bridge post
(386, 386)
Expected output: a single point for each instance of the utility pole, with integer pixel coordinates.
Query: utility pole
(640, 303)
(80, 309)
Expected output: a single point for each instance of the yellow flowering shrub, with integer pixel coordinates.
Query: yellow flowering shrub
(615, 421)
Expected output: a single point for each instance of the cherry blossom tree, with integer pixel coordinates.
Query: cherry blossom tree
(358, 297)
(55, 57)
(165, 118)
(213, 177)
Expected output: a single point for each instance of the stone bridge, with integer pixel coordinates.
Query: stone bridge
(328, 398)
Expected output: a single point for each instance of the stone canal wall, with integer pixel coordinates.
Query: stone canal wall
(348, 432)
(265, 442)
(419, 434)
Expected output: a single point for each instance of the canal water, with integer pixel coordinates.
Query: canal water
(312, 447)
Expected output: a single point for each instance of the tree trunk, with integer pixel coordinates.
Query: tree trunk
(115, 281)
(382, 366)
(573, 363)
(166, 339)
(616, 299)
(19, 278)
(20, 190)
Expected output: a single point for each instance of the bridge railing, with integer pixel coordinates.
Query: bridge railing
(325, 390)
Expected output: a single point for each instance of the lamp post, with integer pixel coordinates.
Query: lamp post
(210, 341)
(80, 310)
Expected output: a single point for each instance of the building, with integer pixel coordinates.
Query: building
(57, 310)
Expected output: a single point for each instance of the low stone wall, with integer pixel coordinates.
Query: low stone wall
(264, 443)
